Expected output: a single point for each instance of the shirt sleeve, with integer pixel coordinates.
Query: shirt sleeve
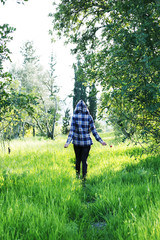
(94, 131)
(71, 132)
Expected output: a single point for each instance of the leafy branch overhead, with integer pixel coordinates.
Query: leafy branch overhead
(18, 1)
(119, 44)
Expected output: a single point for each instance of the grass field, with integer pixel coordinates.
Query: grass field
(40, 197)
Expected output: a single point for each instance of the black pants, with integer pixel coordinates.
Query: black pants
(81, 156)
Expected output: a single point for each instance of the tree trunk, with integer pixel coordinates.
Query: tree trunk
(19, 128)
(23, 132)
(39, 126)
(54, 119)
(34, 131)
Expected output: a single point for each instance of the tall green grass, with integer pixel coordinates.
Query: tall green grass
(40, 197)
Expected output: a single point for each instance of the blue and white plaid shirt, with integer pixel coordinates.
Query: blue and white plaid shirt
(82, 123)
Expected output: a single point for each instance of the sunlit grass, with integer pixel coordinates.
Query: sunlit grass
(41, 198)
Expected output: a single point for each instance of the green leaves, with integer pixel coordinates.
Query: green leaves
(3, 1)
(5, 31)
(66, 122)
(119, 43)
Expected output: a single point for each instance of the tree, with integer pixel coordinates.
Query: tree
(92, 101)
(36, 81)
(5, 31)
(66, 122)
(79, 91)
(29, 53)
(31, 70)
(47, 111)
(27, 77)
(5, 78)
(16, 105)
(12, 102)
(121, 38)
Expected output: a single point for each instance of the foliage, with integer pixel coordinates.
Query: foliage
(79, 91)
(121, 41)
(41, 84)
(5, 31)
(29, 53)
(18, 1)
(13, 107)
(66, 122)
(10, 101)
(5, 37)
(47, 112)
(5, 78)
(42, 199)
(92, 99)
(25, 82)
(4, 93)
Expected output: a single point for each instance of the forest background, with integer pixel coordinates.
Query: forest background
(116, 47)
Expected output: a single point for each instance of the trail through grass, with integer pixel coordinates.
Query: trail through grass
(40, 197)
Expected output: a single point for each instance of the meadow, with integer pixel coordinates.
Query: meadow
(41, 199)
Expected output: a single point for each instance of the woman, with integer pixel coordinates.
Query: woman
(82, 123)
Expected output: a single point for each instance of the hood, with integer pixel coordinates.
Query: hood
(81, 108)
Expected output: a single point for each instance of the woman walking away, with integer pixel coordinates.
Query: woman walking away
(82, 123)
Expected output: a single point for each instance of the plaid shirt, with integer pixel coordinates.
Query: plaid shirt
(82, 123)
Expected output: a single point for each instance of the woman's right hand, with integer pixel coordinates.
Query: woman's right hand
(66, 145)
(104, 143)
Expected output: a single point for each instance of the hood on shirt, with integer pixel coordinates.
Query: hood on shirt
(81, 108)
